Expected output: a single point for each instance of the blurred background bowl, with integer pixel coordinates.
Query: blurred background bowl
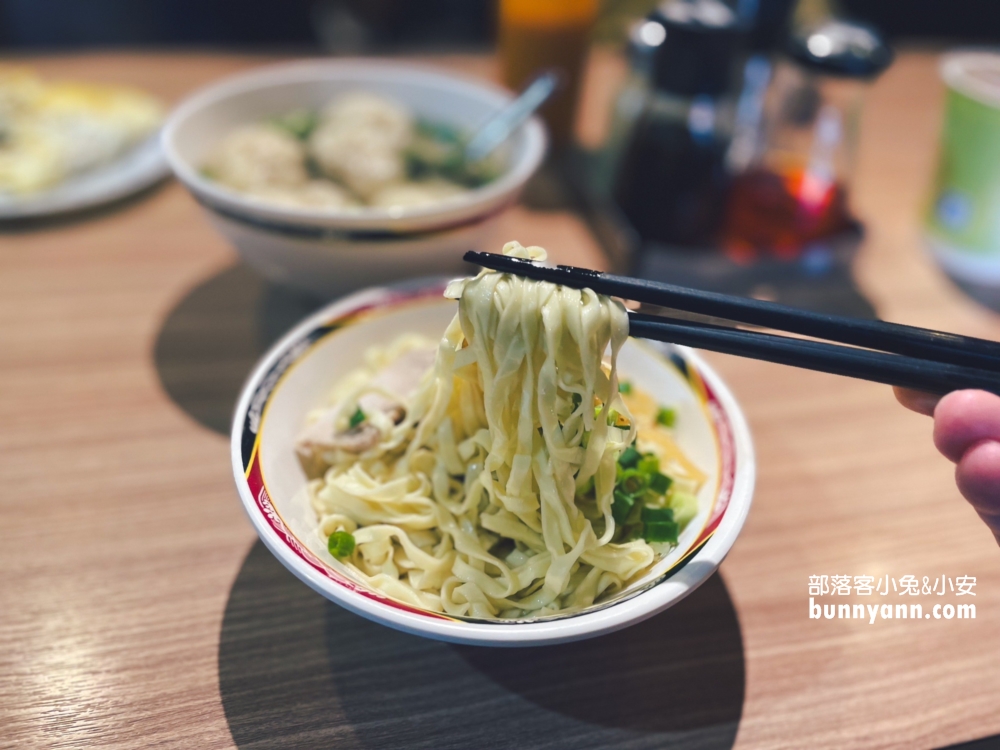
(326, 252)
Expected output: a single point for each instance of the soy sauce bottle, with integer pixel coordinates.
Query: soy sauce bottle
(672, 178)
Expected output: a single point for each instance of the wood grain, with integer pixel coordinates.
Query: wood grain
(122, 537)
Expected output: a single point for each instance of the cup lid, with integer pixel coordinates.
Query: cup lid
(701, 43)
(841, 48)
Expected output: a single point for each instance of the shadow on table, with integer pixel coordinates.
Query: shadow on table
(298, 671)
(211, 340)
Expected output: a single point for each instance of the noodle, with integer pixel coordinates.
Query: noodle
(486, 485)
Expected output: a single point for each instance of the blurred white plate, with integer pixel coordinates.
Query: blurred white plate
(132, 172)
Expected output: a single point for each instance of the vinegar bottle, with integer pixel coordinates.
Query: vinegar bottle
(795, 190)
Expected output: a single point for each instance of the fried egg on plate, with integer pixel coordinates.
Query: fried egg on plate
(51, 131)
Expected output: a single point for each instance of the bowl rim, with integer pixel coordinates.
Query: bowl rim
(469, 204)
(650, 600)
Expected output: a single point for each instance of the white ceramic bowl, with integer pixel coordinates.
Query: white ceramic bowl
(328, 252)
(299, 371)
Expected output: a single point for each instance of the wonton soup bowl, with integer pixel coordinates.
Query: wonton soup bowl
(298, 373)
(328, 252)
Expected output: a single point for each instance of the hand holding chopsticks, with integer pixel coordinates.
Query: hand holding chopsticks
(883, 352)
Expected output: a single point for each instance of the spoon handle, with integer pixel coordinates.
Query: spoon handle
(499, 127)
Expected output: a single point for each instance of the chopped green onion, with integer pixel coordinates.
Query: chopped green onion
(648, 464)
(634, 517)
(666, 417)
(661, 531)
(621, 506)
(657, 515)
(299, 123)
(629, 457)
(625, 387)
(613, 417)
(439, 131)
(340, 544)
(356, 418)
(685, 507)
(633, 482)
(436, 149)
(660, 483)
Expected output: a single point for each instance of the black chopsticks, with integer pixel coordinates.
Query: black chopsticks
(893, 354)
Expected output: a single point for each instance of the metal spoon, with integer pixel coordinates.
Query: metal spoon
(499, 127)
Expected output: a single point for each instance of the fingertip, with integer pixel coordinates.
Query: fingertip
(978, 479)
(963, 418)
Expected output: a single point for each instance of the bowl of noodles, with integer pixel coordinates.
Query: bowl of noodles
(491, 461)
(332, 175)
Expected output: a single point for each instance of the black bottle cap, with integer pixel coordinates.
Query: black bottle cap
(702, 41)
(841, 48)
(769, 23)
(643, 38)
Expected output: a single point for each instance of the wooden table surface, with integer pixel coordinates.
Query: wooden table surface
(136, 608)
